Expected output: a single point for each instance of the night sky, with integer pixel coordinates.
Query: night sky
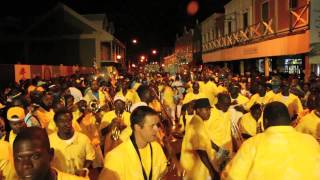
(154, 23)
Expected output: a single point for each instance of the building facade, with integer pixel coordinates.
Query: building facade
(268, 35)
(63, 36)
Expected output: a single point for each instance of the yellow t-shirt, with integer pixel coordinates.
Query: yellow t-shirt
(292, 102)
(12, 137)
(70, 155)
(248, 125)
(278, 153)
(131, 96)
(168, 96)
(122, 163)
(184, 127)
(256, 99)
(45, 117)
(196, 138)
(310, 124)
(65, 176)
(270, 94)
(219, 125)
(6, 161)
(210, 90)
(241, 99)
(109, 116)
(89, 128)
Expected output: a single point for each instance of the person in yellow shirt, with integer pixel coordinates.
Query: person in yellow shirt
(236, 97)
(276, 88)
(32, 156)
(95, 94)
(260, 97)
(219, 123)
(6, 162)
(197, 155)
(209, 88)
(57, 106)
(195, 94)
(130, 94)
(248, 123)
(89, 127)
(15, 116)
(310, 123)
(292, 101)
(43, 107)
(140, 157)
(74, 152)
(280, 152)
(118, 118)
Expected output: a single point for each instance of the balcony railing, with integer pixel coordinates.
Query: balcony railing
(299, 20)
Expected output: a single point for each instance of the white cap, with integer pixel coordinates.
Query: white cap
(121, 98)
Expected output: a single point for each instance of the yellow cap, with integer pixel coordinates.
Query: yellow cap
(15, 114)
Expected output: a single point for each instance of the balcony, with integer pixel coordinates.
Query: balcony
(261, 31)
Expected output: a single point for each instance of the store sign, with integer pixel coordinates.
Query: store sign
(315, 32)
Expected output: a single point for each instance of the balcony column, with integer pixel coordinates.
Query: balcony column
(307, 68)
(241, 68)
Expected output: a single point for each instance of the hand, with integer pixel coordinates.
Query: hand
(234, 102)
(82, 172)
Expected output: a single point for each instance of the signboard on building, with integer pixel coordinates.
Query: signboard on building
(315, 32)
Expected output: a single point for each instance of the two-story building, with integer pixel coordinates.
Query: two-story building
(266, 35)
(63, 36)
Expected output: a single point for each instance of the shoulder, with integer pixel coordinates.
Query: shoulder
(156, 145)
(121, 150)
(306, 139)
(82, 137)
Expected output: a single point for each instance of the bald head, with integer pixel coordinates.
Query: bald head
(276, 114)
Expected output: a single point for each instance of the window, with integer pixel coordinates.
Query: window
(229, 27)
(245, 20)
(293, 4)
(265, 11)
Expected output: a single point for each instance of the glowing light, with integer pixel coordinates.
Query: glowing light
(192, 8)
(118, 56)
(154, 51)
(134, 41)
(133, 65)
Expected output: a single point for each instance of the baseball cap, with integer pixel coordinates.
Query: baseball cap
(15, 114)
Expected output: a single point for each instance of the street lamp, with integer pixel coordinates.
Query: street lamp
(134, 41)
(142, 58)
(154, 52)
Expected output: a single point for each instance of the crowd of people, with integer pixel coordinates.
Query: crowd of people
(194, 125)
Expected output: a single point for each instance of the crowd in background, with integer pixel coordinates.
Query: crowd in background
(201, 124)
